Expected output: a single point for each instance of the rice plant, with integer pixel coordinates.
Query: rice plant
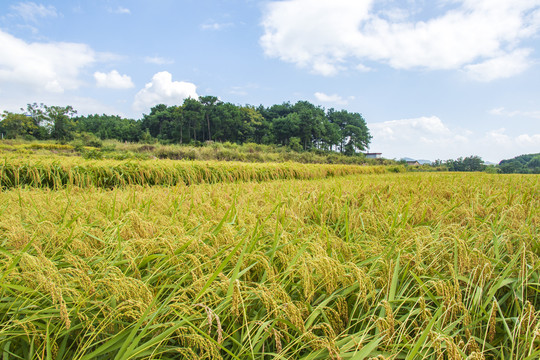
(393, 266)
(35, 171)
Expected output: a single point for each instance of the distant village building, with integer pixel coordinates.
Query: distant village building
(374, 155)
(413, 163)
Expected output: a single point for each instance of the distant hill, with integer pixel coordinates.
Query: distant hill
(421, 162)
(523, 164)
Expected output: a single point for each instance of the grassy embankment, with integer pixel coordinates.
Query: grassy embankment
(396, 265)
(115, 150)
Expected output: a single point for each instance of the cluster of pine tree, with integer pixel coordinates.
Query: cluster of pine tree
(301, 126)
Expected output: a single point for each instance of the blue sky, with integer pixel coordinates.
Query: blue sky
(434, 79)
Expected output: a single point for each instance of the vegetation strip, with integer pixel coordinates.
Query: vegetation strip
(51, 173)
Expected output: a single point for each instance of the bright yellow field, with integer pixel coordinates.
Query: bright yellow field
(57, 172)
(400, 266)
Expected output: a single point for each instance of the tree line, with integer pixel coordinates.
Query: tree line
(523, 164)
(300, 126)
(469, 163)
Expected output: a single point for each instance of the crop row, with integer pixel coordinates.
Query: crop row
(55, 174)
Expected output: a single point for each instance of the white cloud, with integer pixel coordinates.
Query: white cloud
(216, 26)
(113, 80)
(505, 66)
(162, 90)
(481, 37)
(120, 10)
(499, 137)
(158, 60)
(47, 67)
(423, 137)
(334, 98)
(502, 142)
(107, 57)
(498, 111)
(31, 11)
(411, 128)
(363, 68)
(527, 140)
(519, 113)
(243, 90)
(430, 138)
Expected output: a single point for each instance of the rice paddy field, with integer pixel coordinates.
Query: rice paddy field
(209, 260)
(55, 172)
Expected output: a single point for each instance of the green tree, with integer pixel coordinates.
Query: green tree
(193, 113)
(251, 121)
(231, 123)
(177, 117)
(331, 136)
(470, 163)
(263, 130)
(209, 107)
(534, 162)
(357, 132)
(286, 127)
(154, 122)
(13, 125)
(277, 111)
(354, 132)
(311, 124)
(109, 127)
(523, 164)
(473, 163)
(61, 119)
